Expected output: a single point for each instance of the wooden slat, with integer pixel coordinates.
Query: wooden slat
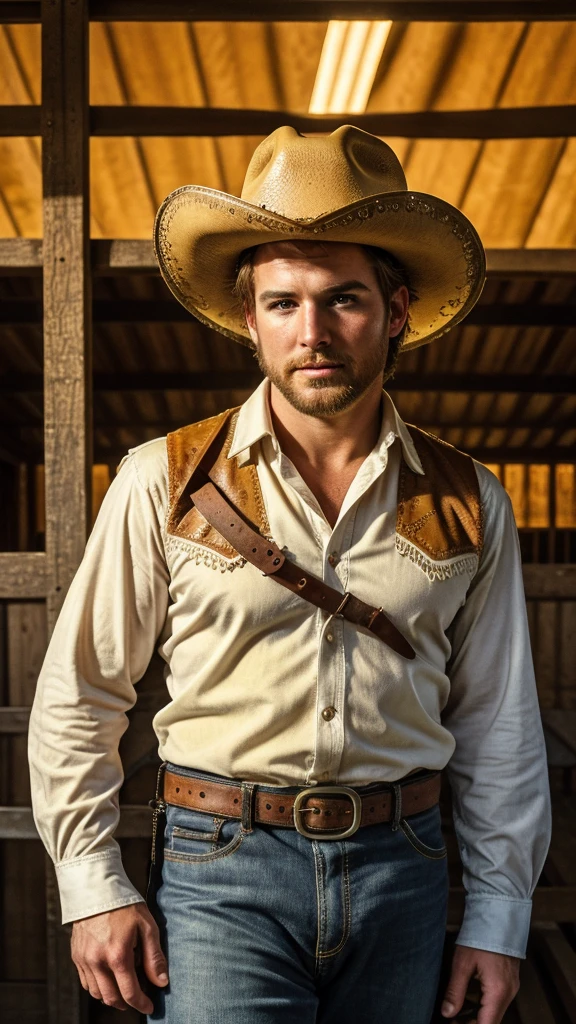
(550, 582)
(562, 723)
(23, 1000)
(560, 959)
(28, 11)
(23, 575)
(531, 1003)
(14, 721)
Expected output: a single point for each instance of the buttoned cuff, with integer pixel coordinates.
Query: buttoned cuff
(90, 885)
(499, 924)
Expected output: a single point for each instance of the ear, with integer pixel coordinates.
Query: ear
(399, 303)
(250, 317)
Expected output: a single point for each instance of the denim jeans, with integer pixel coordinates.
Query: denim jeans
(261, 924)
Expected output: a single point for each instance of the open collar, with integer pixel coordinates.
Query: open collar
(255, 422)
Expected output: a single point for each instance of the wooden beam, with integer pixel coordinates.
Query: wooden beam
(493, 123)
(23, 575)
(67, 369)
(14, 721)
(28, 11)
(244, 380)
(496, 123)
(550, 582)
(149, 311)
(560, 959)
(23, 1000)
(136, 255)
(67, 310)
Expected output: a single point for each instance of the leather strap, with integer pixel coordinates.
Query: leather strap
(326, 812)
(266, 556)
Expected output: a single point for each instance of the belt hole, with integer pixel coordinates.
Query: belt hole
(202, 795)
(177, 789)
(276, 561)
(268, 807)
(235, 799)
(254, 551)
(281, 809)
(270, 552)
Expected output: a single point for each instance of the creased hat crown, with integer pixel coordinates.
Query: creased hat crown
(330, 171)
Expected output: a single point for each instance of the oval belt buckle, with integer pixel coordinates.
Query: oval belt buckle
(332, 791)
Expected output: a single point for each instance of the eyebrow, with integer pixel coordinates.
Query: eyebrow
(337, 289)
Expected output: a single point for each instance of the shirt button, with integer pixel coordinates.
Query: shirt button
(333, 558)
(328, 714)
(330, 637)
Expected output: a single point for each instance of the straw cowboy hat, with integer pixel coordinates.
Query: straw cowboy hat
(345, 187)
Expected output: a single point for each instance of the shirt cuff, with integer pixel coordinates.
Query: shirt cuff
(499, 924)
(90, 885)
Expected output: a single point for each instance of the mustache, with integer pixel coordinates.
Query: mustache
(318, 363)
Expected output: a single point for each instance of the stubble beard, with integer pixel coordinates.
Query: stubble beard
(324, 396)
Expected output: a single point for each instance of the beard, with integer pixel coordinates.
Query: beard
(323, 396)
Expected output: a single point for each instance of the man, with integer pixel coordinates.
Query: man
(339, 602)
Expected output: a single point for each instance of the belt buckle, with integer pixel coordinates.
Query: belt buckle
(332, 791)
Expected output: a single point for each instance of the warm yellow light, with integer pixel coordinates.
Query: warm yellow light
(349, 61)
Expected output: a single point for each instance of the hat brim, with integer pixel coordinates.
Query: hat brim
(199, 234)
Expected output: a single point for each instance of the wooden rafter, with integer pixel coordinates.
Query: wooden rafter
(124, 120)
(27, 11)
(243, 380)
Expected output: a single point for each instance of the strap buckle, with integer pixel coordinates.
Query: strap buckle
(332, 791)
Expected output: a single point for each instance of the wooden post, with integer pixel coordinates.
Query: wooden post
(67, 366)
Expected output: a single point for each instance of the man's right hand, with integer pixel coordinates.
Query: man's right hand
(103, 950)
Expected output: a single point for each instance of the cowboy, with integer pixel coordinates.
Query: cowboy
(338, 599)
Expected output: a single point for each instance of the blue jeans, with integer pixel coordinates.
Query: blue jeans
(261, 925)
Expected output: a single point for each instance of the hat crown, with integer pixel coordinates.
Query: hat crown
(304, 178)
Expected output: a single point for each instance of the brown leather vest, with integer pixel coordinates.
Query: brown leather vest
(439, 520)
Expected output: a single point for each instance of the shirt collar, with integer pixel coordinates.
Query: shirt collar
(255, 422)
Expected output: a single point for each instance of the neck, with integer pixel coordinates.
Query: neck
(331, 443)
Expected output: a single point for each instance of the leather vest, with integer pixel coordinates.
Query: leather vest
(439, 518)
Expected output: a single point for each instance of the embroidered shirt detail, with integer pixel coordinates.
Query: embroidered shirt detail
(439, 524)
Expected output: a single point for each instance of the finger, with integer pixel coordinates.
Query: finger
(153, 959)
(109, 991)
(131, 991)
(494, 1004)
(82, 976)
(455, 993)
(92, 984)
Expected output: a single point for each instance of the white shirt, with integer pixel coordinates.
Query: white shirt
(250, 667)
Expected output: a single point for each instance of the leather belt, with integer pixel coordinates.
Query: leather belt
(329, 812)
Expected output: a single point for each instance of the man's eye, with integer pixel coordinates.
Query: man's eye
(344, 299)
(281, 304)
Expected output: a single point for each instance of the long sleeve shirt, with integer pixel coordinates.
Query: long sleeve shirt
(250, 667)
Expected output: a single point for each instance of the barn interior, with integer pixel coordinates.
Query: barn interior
(104, 110)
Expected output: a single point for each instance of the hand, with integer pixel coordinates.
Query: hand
(499, 982)
(103, 951)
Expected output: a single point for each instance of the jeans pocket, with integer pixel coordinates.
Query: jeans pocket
(196, 836)
(424, 833)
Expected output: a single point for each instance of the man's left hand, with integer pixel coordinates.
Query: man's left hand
(498, 975)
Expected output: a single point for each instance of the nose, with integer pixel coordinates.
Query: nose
(313, 329)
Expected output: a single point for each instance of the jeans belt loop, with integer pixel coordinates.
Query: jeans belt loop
(248, 805)
(396, 805)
